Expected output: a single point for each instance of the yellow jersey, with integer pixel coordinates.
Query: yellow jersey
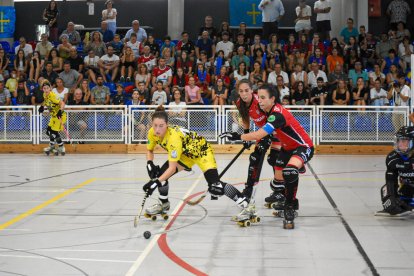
(52, 103)
(180, 141)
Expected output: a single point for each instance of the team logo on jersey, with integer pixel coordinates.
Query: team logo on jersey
(174, 154)
(271, 118)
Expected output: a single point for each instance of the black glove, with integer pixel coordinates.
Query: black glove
(232, 136)
(152, 169)
(216, 189)
(151, 186)
(59, 114)
(41, 109)
(246, 131)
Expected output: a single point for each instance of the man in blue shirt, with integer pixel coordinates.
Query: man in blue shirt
(141, 33)
(207, 45)
(107, 35)
(272, 12)
(347, 32)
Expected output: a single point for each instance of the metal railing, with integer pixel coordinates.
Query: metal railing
(17, 124)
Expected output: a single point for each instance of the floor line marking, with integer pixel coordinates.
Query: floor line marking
(68, 259)
(45, 204)
(155, 239)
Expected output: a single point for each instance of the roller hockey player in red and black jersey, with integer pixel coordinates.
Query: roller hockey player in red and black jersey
(297, 147)
(398, 192)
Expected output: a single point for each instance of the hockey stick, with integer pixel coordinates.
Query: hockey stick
(66, 132)
(138, 216)
(201, 198)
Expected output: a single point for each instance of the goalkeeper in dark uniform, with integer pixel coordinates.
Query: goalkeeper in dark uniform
(398, 191)
(58, 117)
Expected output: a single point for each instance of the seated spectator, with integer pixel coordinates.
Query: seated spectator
(155, 48)
(304, 14)
(282, 88)
(128, 64)
(367, 54)
(55, 60)
(192, 93)
(49, 74)
(108, 65)
(258, 57)
(64, 47)
(22, 93)
(100, 94)
(315, 74)
(226, 46)
(44, 46)
(71, 78)
(36, 64)
(356, 73)
(11, 83)
(341, 95)
(316, 44)
(21, 63)
(335, 77)
(278, 72)
(300, 95)
(401, 32)
(136, 100)
(318, 58)
(333, 59)
(298, 75)
(168, 44)
(257, 72)
(26, 48)
(286, 100)
(177, 115)
(378, 95)
(352, 45)
(143, 76)
(240, 42)
(257, 45)
(376, 74)
(209, 28)
(5, 97)
(186, 44)
(107, 34)
(203, 80)
(37, 95)
(4, 63)
(273, 46)
(245, 32)
(204, 61)
(289, 50)
(223, 76)
(399, 93)
(240, 74)
(147, 58)
(61, 91)
(159, 96)
(119, 98)
(73, 35)
(75, 60)
(135, 45)
(347, 32)
(79, 99)
(405, 50)
(334, 44)
(205, 43)
(143, 93)
(86, 92)
(360, 93)
(180, 79)
(117, 44)
(169, 59)
(299, 58)
(140, 33)
(279, 58)
(185, 63)
(91, 66)
(219, 93)
(303, 45)
(383, 47)
(392, 76)
(96, 44)
(162, 73)
(225, 27)
(351, 60)
(319, 93)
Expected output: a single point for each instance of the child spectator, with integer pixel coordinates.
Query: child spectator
(159, 96)
(119, 99)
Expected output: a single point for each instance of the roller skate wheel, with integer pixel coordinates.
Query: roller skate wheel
(267, 205)
(56, 153)
(258, 219)
(63, 153)
(164, 216)
(47, 153)
(246, 223)
(273, 205)
(278, 214)
(288, 225)
(147, 216)
(153, 217)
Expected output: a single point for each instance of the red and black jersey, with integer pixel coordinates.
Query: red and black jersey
(255, 113)
(286, 128)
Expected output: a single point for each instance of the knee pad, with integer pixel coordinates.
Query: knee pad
(50, 133)
(272, 157)
(254, 158)
(290, 174)
(217, 188)
(163, 190)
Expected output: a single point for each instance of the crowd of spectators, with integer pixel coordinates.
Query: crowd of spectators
(353, 67)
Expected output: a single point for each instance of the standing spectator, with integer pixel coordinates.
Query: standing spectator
(75, 60)
(128, 64)
(347, 32)
(26, 48)
(71, 78)
(109, 16)
(186, 44)
(378, 95)
(162, 73)
(225, 45)
(398, 10)
(341, 95)
(192, 93)
(356, 73)
(91, 66)
(360, 93)
(50, 16)
(322, 8)
(399, 94)
(140, 32)
(315, 74)
(5, 97)
(100, 93)
(304, 14)
(44, 47)
(319, 93)
(159, 96)
(49, 74)
(300, 95)
(240, 57)
(108, 65)
(272, 78)
(205, 43)
(96, 44)
(209, 28)
(272, 12)
(73, 35)
(107, 34)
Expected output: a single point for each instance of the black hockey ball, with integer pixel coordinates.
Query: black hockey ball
(147, 234)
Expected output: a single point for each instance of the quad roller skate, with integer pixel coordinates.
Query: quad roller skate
(289, 214)
(60, 150)
(275, 200)
(279, 211)
(50, 149)
(247, 216)
(157, 209)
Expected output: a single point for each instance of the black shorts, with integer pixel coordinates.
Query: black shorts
(303, 153)
(323, 26)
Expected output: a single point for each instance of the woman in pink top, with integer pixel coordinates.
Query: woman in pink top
(192, 93)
